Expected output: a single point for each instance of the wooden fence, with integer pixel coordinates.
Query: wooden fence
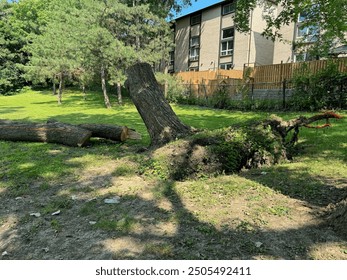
(196, 77)
(276, 73)
(269, 78)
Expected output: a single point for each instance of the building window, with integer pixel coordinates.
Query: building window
(302, 17)
(172, 58)
(227, 44)
(226, 66)
(227, 48)
(195, 41)
(195, 19)
(308, 33)
(301, 57)
(229, 8)
(194, 54)
(227, 33)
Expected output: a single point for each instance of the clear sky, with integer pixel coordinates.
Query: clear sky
(197, 5)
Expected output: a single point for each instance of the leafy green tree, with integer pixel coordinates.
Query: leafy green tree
(117, 35)
(81, 39)
(19, 21)
(11, 55)
(54, 52)
(161, 8)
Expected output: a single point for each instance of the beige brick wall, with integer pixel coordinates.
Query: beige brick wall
(210, 36)
(182, 44)
(251, 48)
(227, 20)
(262, 49)
(283, 50)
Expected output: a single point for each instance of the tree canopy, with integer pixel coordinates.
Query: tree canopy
(80, 39)
(43, 40)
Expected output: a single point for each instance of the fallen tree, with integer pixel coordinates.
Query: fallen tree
(67, 134)
(232, 149)
(227, 150)
(162, 123)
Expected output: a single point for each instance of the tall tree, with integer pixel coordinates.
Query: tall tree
(73, 37)
(101, 50)
(19, 22)
(54, 52)
(11, 54)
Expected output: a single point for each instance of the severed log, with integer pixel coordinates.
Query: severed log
(112, 132)
(51, 132)
(108, 131)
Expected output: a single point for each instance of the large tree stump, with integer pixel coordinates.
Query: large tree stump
(162, 123)
(52, 132)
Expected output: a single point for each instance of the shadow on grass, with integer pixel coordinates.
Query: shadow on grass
(135, 228)
(9, 110)
(41, 177)
(71, 97)
(299, 184)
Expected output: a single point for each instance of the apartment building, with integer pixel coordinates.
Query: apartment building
(285, 50)
(207, 40)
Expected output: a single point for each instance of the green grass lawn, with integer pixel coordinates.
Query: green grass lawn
(316, 177)
(324, 151)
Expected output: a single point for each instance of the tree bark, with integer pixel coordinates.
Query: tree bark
(56, 132)
(84, 92)
(162, 123)
(60, 92)
(54, 88)
(166, 85)
(283, 128)
(119, 93)
(108, 131)
(53, 132)
(104, 90)
(112, 132)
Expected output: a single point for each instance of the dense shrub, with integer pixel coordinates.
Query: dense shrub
(325, 89)
(175, 88)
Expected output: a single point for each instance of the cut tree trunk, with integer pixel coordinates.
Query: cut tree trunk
(56, 132)
(162, 123)
(112, 132)
(53, 132)
(108, 131)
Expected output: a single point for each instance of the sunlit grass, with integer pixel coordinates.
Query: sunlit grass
(322, 152)
(76, 180)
